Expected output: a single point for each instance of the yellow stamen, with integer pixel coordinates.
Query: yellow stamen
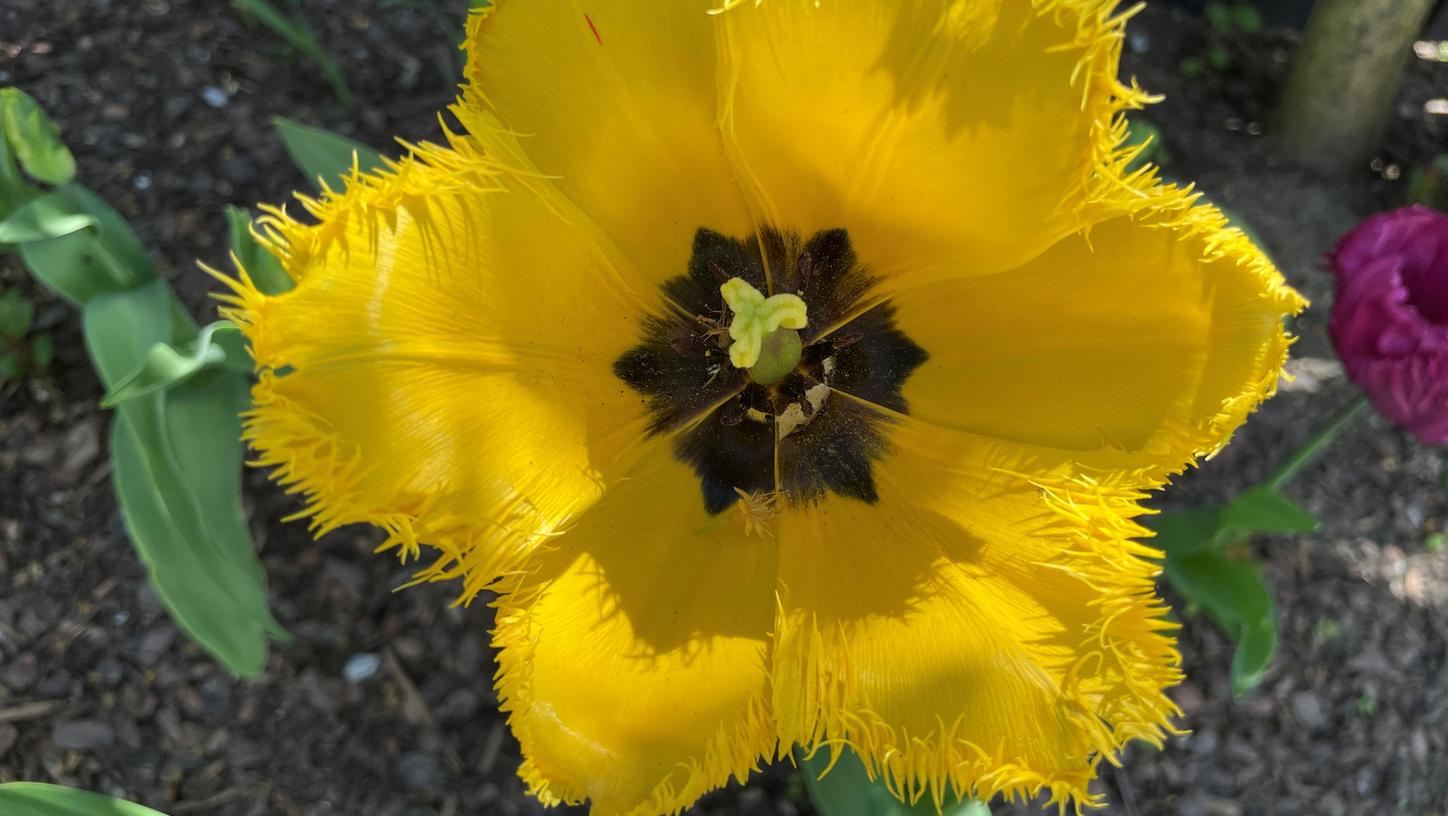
(758, 319)
(756, 509)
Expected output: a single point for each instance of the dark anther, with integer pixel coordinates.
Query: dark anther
(806, 269)
(854, 362)
(693, 346)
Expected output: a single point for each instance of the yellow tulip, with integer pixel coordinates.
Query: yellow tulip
(511, 351)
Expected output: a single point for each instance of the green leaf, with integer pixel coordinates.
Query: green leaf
(34, 138)
(323, 156)
(1247, 17)
(49, 216)
(1235, 595)
(177, 462)
(1183, 532)
(9, 366)
(106, 257)
(37, 799)
(255, 260)
(1219, 16)
(299, 35)
(1142, 132)
(1264, 510)
(73, 266)
(16, 312)
(115, 235)
(846, 790)
(14, 190)
(203, 417)
(42, 352)
(219, 344)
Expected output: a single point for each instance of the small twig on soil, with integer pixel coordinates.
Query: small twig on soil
(1123, 786)
(30, 711)
(78, 628)
(415, 708)
(208, 804)
(491, 748)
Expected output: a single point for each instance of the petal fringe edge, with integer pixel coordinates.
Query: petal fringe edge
(304, 455)
(1140, 195)
(1114, 189)
(1114, 681)
(734, 752)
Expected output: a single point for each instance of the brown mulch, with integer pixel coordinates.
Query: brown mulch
(166, 104)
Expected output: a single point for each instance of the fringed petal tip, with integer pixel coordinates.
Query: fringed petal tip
(734, 752)
(1114, 188)
(725, 759)
(1141, 195)
(303, 451)
(305, 457)
(1081, 690)
(947, 763)
(1100, 27)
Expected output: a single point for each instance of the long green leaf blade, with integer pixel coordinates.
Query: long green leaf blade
(325, 157)
(203, 418)
(299, 36)
(39, 799)
(209, 582)
(264, 269)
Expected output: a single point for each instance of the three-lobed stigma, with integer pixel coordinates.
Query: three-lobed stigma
(763, 330)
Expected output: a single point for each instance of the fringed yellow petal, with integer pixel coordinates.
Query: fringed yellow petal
(443, 367)
(951, 138)
(986, 629)
(610, 106)
(632, 658)
(1155, 333)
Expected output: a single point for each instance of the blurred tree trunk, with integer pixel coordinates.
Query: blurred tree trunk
(1339, 98)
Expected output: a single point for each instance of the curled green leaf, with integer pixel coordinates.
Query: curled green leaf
(49, 216)
(219, 345)
(104, 257)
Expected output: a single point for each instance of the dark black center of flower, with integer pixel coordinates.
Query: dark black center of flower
(814, 430)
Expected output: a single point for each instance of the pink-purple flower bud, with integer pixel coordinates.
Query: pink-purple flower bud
(1390, 316)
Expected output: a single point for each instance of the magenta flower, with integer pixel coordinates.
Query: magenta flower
(1390, 316)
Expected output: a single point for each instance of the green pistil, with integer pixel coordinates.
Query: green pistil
(763, 332)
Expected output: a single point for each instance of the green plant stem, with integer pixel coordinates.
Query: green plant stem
(1317, 443)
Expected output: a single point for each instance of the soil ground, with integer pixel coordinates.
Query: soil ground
(166, 105)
